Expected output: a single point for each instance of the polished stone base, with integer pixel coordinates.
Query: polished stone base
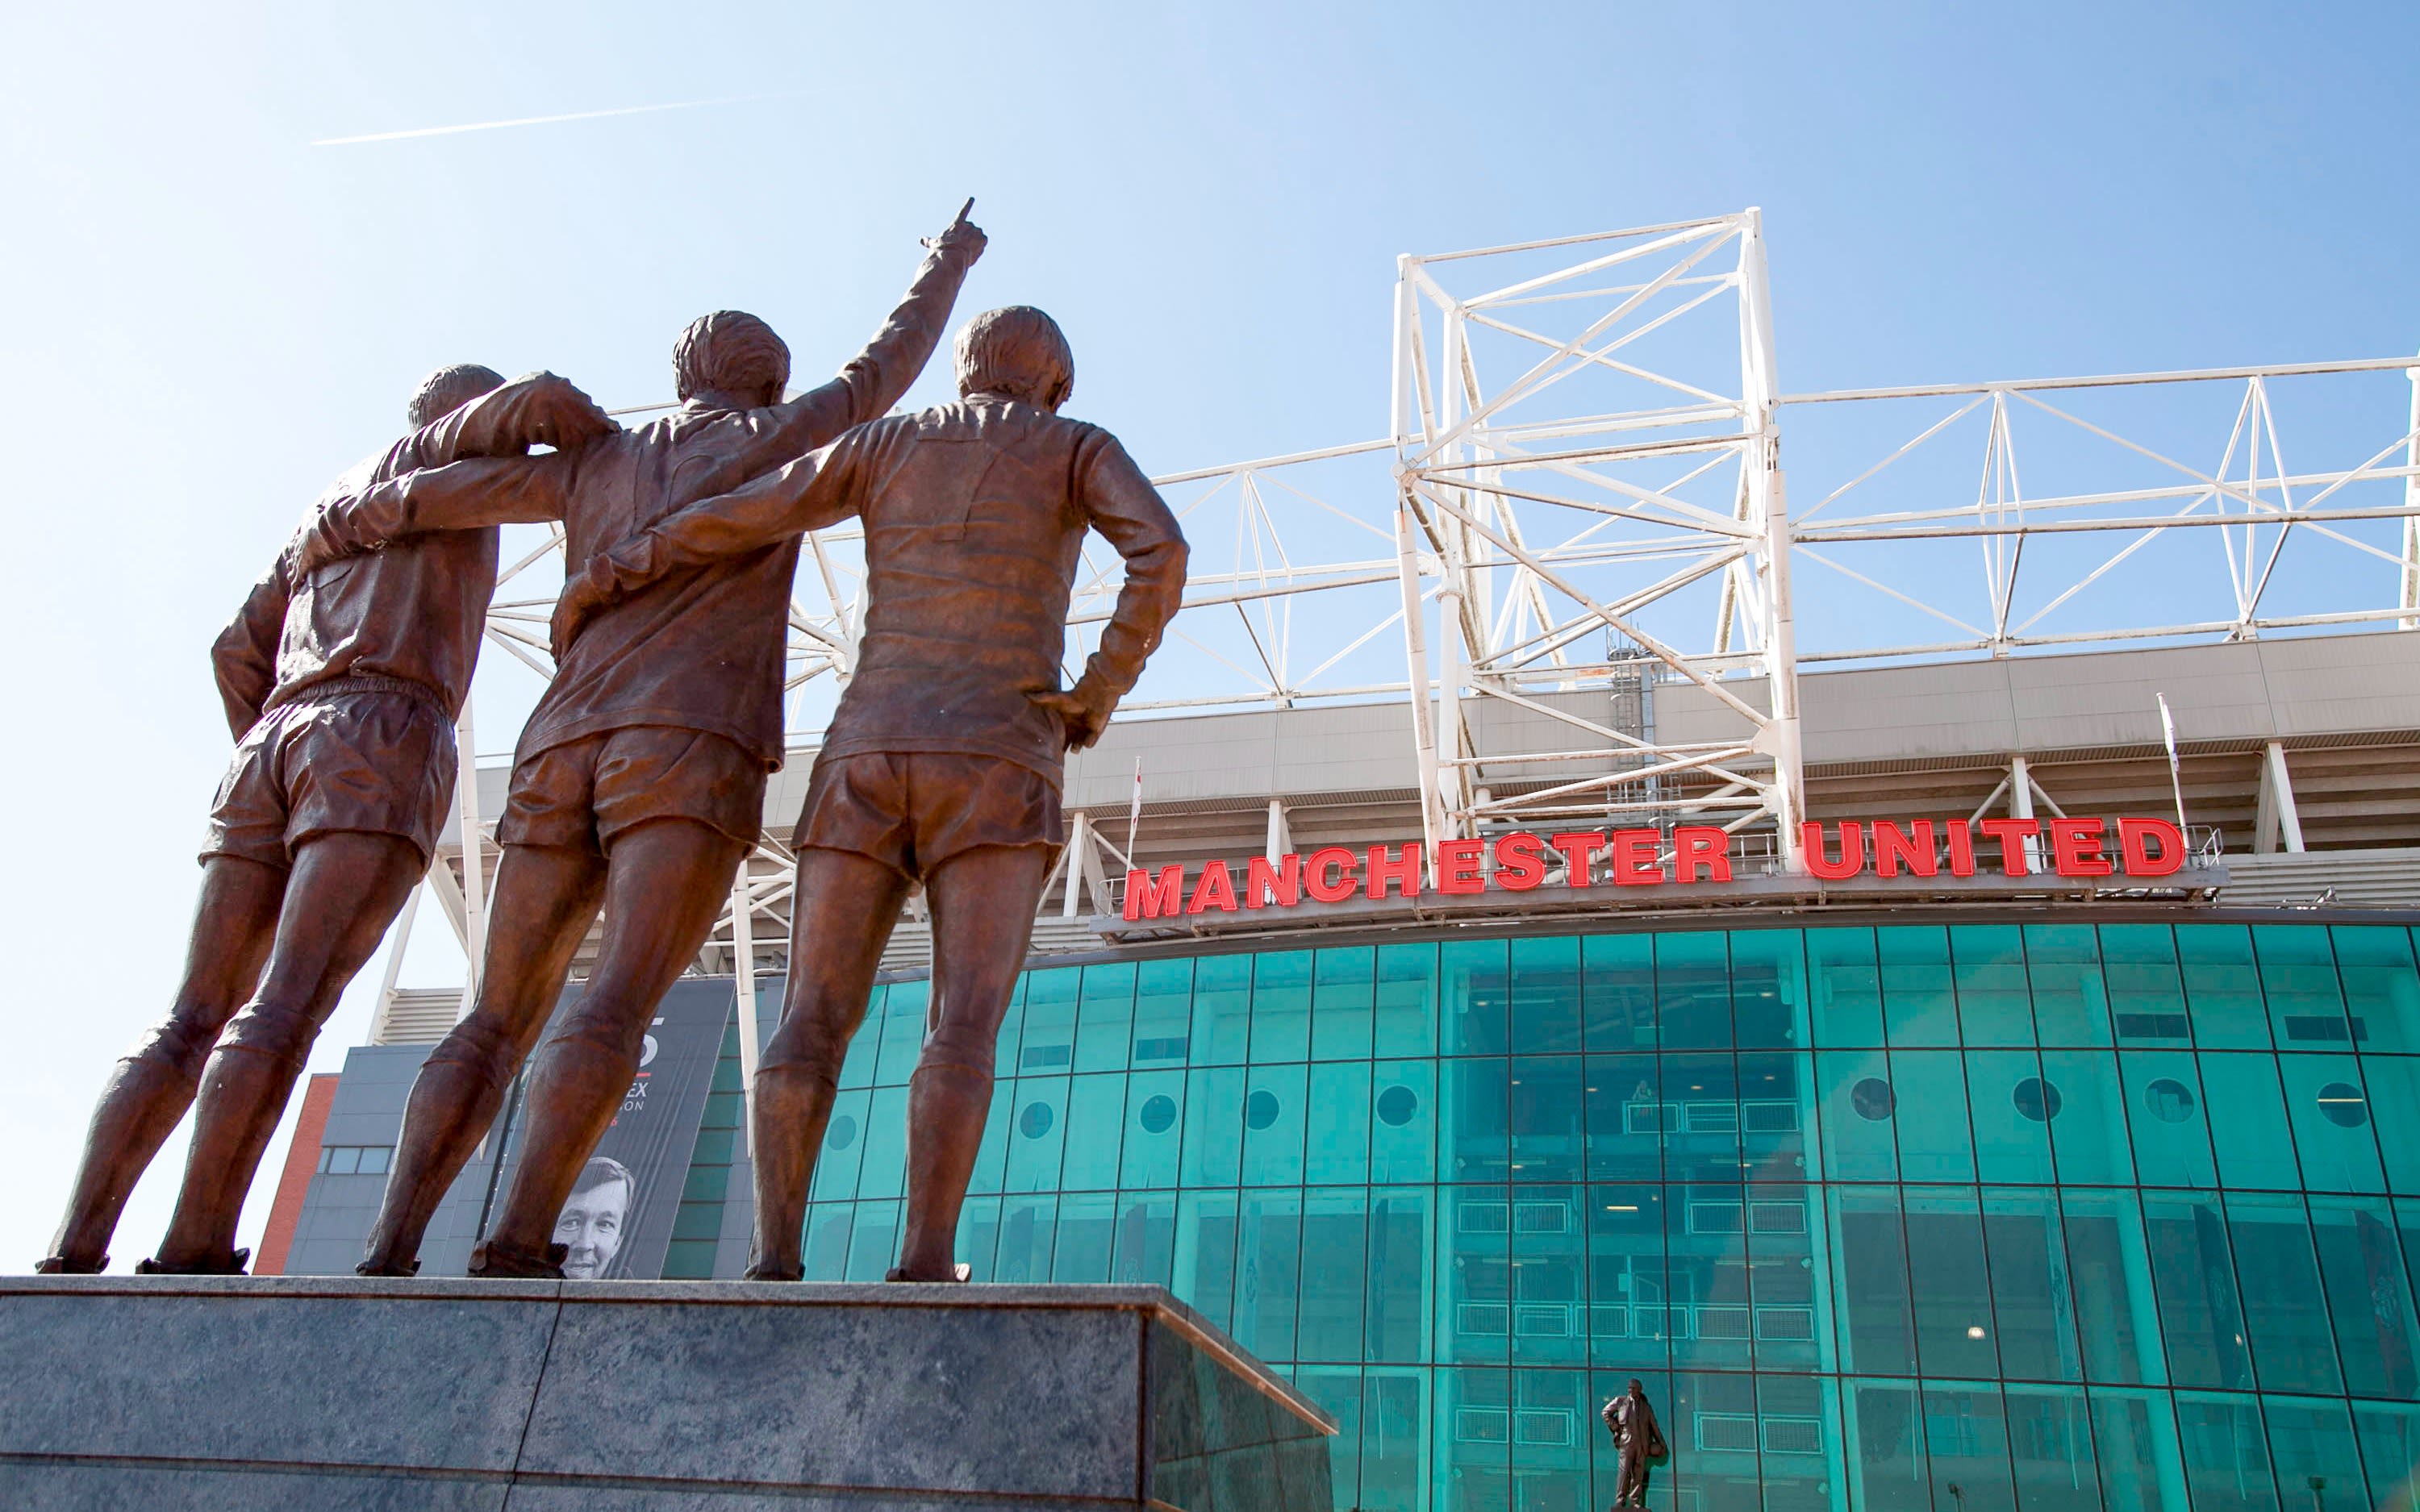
(275, 1393)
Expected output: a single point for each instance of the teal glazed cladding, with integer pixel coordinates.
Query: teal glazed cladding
(1919, 1218)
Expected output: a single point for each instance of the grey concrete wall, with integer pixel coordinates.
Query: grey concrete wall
(294, 1392)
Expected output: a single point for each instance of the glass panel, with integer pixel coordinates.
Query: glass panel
(1096, 1115)
(1545, 994)
(1163, 1011)
(884, 1172)
(864, 1046)
(1335, 1258)
(2390, 1450)
(1048, 1043)
(2311, 1445)
(1396, 1296)
(2254, 1148)
(2298, 975)
(1340, 1007)
(1204, 1265)
(1919, 1003)
(2381, 993)
(1475, 1275)
(1693, 991)
(2221, 987)
(1155, 1125)
(1871, 1304)
(1803, 1465)
(1081, 1252)
(2332, 1132)
(873, 1242)
(1550, 1317)
(1705, 1245)
(1472, 991)
(1213, 1126)
(2146, 994)
(2368, 1295)
(1996, 1004)
(1029, 1229)
(1544, 1111)
(1618, 991)
(1783, 1220)
(2014, 1109)
(1395, 1439)
(1551, 1416)
(1475, 1134)
(1776, 1104)
(1269, 1258)
(1952, 1284)
(1406, 1000)
(2088, 1135)
(2292, 1348)
(2033, 1310)
(2109, 1270)
(1626, 1118)
(1769, 988)
(1146, 1238)
(1715, 1459)
(2226, 1455)
(2135, 1444)
(1474, 1432)
(1273, 1125)
(1702, 1118)
(1037, 1133)
(1967, 1438)
(1630, 1321)
(2393, 1086)
(991, 1156)
(1935, 1143)
(899, 1030)
(2199, 1315)
(1281, 1005)
(827, 1245)
(1886, 1427)
(1338, 1112)
(1402, 1131)
(1858, 1102)
(1105, 1019)
(2170, 1117)
(2070, 997)
(1846, 982)
(1222, 1009)
(844, 1148)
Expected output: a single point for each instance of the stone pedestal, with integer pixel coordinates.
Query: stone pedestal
(275, 1393)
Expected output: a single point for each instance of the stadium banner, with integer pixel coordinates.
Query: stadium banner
(2133, 848)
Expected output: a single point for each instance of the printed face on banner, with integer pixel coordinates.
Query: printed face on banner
(592, 1223)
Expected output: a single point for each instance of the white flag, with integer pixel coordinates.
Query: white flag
(1134, 811)
(2176, 770)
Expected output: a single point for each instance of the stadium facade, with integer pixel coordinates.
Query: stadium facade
(1980, 1076)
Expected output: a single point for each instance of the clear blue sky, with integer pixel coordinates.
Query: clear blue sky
(205, 317)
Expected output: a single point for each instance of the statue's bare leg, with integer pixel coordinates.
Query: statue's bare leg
(546, 898)
(982, 924)
(665, 884)
(843, 910)
(149, 1091)
(346, 888)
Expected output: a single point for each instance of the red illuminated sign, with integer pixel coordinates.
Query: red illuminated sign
(2134, 848)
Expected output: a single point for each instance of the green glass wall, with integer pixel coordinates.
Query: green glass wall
(1957, 1218)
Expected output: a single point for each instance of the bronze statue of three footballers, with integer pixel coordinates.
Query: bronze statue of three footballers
(637, 784)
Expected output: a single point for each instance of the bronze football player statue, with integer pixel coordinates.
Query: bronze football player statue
(1638, 1440)
(638, 782)
(943, 763)
(341, 685)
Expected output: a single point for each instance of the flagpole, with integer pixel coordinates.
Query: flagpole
(2175, 774)
(1134, 812)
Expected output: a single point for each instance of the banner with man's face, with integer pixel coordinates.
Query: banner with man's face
(619, 1218)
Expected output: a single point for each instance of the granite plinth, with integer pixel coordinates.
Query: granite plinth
(271, 1393)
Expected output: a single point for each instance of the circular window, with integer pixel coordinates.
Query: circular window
(1397, 1104)
(1260, 1109)
(1158, 1114)
(1035, 1121)
(1873, 1099)
(2168, 1100)
(2038, 1100)
(842, 1133)
(2341, 1103)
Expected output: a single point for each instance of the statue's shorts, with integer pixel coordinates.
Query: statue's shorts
(914, 810)
(583, 793)
(362, 753)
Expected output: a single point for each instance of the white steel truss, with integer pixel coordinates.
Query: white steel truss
(1582, 490)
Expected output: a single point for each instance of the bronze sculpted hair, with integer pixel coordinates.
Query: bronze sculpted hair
(449, 389)
(1016, 350)
(733, 352)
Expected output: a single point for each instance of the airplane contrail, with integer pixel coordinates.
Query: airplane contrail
(533, 120)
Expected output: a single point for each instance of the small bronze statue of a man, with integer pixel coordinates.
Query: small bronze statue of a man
(943, 762)
(341, 685)
(638, 782)
(1638, 1440)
